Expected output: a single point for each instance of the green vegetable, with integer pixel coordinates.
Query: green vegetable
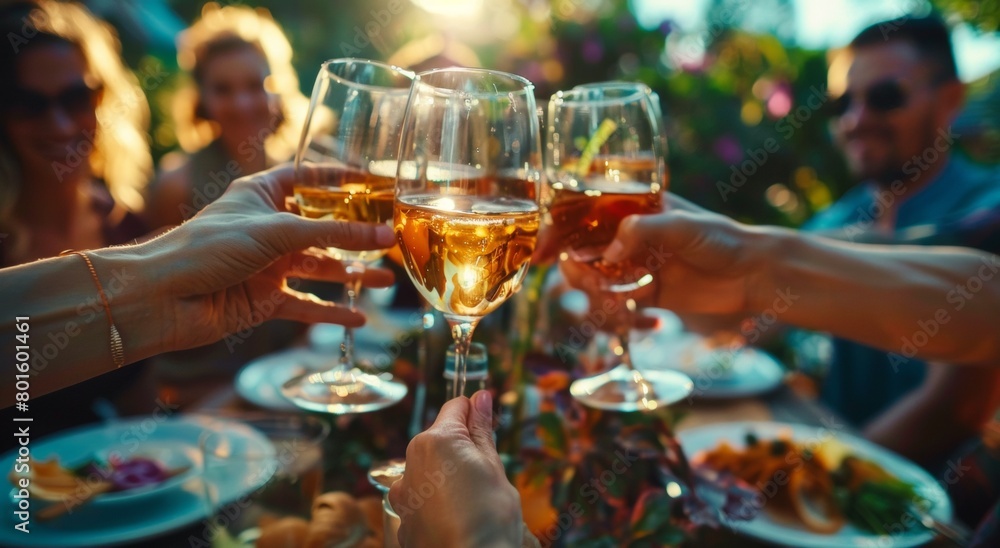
(880, 507)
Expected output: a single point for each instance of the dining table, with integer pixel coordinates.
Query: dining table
(791, 402)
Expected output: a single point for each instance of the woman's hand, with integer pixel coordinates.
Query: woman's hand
(454, 491)
(226, 270)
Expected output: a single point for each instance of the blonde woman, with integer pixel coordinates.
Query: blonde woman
(240, 114)
(74, 158)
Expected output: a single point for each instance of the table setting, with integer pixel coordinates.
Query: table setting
(634, 437)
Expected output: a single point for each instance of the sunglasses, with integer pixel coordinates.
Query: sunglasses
(75, 100)
(882, 97)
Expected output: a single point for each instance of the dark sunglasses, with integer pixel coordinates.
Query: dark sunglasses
(882, 97)
(75, 100)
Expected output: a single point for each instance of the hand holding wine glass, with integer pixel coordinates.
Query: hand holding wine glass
(352, 132)
(466, 212)
(606, 162)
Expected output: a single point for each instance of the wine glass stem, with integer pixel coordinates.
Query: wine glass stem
(461, 332)
(352, 287)
(623, 339)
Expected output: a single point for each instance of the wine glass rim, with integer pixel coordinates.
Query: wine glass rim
(573, 96)
(527, 88)
(408, 74)
(615, 84)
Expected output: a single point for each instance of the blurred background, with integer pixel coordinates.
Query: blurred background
(731, 73)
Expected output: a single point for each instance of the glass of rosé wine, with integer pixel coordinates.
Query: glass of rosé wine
(605, 161)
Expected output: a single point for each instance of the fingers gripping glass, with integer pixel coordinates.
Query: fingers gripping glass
(346, 168)
(882, 97)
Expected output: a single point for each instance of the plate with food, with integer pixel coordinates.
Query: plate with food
(109, 483)
(107, 476)
(718, 370)
(817, 487)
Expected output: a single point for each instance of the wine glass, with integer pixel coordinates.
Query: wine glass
(466, 213)
(605, 153)
(346, 170)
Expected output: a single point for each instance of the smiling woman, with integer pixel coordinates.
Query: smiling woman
(240, 112)
(70, 102)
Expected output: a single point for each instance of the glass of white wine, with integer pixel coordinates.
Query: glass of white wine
(346, 170)
(466, 212)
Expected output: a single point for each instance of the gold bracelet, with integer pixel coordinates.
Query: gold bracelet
(117, 349)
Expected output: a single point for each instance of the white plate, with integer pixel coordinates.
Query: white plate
(144, 517)
(708, 437)
(717, 374)
(377, 344)
(259, 382)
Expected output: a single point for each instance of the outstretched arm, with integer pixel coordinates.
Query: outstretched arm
(936, 303)
(221, 272)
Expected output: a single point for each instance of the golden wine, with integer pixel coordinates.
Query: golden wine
(585, 220)
(361, 202)
(466, 254)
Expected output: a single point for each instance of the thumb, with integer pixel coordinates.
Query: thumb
(481, 421)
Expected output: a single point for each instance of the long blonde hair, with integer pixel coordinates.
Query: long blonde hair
(257, 29)
(121, 151)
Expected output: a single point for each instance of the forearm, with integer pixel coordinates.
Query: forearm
(951, 406)
(920, 429)
(68, 332)
(936, 304)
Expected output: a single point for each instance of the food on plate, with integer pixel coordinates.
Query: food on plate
(50, 481)
(822, 485)
(338, 519)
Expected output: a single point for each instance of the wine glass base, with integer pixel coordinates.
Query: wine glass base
(341, 393)
(623, 389)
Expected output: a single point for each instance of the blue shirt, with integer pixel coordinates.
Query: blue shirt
(862, 381)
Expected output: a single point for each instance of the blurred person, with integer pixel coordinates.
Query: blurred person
(74, 161)
(241, 113)
(897, 93)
